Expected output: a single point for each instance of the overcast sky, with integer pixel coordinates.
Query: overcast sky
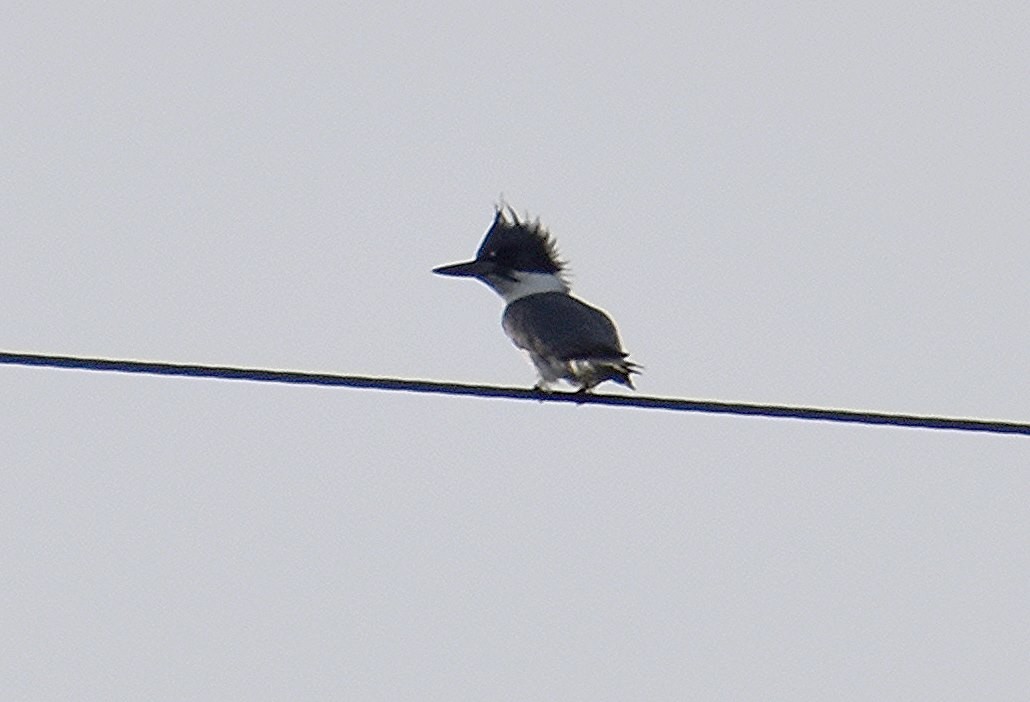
(808, 204)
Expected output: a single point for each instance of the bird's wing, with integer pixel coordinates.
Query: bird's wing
(556, 325)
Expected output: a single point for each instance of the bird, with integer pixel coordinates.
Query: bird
(566, 339)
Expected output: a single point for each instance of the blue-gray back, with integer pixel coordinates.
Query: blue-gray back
(556, 325)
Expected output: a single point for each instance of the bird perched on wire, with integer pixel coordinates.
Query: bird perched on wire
(566, 339)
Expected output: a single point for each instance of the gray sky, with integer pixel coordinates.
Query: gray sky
(800, 204)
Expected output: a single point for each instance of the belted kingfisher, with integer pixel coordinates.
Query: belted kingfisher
(565, 338)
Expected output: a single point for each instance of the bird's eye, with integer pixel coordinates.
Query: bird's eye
(492, 253)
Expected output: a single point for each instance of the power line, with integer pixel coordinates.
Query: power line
(427, 386)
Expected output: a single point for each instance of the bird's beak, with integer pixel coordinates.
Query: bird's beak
(468, 269)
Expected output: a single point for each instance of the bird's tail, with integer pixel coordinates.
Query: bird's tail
(592, 372)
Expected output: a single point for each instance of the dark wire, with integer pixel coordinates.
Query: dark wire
(397, 384)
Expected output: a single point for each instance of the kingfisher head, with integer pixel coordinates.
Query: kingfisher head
(517, 258)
